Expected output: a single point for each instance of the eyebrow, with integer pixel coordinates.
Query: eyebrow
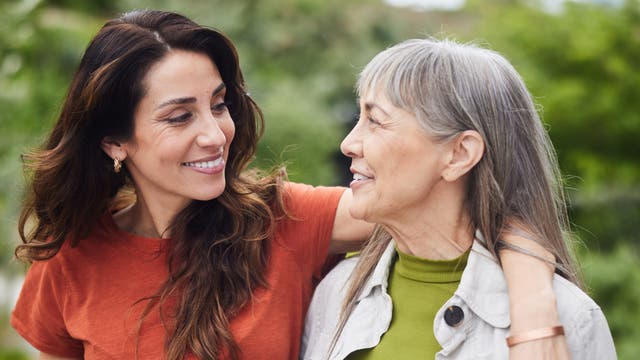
(189, 100)
(370, 105)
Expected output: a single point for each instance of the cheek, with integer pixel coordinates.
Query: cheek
(388, 158)
(229, 130)
(167, 148)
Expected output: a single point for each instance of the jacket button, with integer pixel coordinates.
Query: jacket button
(453, 315)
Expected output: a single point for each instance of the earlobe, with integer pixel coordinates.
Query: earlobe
(113, 148)
(467, 150)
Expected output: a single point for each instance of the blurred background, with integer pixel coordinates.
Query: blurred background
(580, 59)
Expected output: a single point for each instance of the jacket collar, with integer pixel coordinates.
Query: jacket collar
(380, 276)
(482, 286)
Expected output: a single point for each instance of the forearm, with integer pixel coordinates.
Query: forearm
(530, 283)
(532, 299)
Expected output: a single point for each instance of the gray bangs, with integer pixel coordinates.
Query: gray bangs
(393, 72)
(448, 86)
(415, 76)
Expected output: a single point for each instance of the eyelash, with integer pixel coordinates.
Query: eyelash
(218, 108)
(179, 119)
(369, 119)
(221, 107)
(373, 121)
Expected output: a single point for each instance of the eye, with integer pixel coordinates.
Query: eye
(180, 118)
(373, 121)
(220, 108)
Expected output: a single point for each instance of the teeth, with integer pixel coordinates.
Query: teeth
(358, 177)
(204, 164)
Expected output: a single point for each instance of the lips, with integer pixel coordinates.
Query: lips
(360, 177)
(205, 164)
(209, 164)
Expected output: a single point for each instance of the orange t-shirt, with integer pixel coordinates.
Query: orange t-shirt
(82, 302)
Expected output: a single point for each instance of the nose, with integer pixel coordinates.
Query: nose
(351, 146)
(210, 133)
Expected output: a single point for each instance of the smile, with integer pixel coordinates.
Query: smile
(204, 164)
(359, 177)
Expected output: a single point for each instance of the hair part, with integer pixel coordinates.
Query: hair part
(71, 183)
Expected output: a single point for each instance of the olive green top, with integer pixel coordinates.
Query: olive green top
(418, 287)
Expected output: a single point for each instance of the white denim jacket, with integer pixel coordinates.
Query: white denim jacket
(482, 296)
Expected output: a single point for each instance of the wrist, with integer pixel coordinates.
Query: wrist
(533, 311)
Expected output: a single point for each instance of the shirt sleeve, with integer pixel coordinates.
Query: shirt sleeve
(38, 314)
(312, 212)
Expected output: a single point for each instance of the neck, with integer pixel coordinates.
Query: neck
(145, 219)
(436, 242)
(434, 231)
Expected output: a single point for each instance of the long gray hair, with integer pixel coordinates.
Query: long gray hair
(450, 88)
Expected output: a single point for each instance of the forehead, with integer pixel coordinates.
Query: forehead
(367, 92)
(179, 68)
(370, 99)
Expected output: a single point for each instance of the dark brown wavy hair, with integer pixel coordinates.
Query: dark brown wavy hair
(72, 182)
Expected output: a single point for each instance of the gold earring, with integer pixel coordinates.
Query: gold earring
(449, 175)
(117, 165)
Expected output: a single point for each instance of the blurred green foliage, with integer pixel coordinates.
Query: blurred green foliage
(300, 59)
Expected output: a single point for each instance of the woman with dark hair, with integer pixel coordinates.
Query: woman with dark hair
(148, 236)
(158, 106)
(448, 152)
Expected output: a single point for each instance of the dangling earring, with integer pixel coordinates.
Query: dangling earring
(117, 165)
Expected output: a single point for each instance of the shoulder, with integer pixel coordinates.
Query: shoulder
(329, 296)
(586, 327)
(325, 308)
(311, 207)
(88, 250)
(101, 236)
(572, 301)
(330, 293)
(335, 281)
(306, 229)
(570, 294)
(296, 194)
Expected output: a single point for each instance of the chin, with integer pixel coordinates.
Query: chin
(210, 195)
(357, 212)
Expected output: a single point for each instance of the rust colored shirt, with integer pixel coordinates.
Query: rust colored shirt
(84, 302)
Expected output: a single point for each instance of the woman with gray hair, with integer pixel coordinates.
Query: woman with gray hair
(448, 155)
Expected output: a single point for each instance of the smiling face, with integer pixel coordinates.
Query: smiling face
(182, 132)
(396, 165)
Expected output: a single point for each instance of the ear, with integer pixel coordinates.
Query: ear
(466, 151)
(113, 148)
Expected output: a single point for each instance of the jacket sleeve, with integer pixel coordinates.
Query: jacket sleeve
(595, 337)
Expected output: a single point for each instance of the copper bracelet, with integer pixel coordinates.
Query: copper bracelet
(536, 334)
